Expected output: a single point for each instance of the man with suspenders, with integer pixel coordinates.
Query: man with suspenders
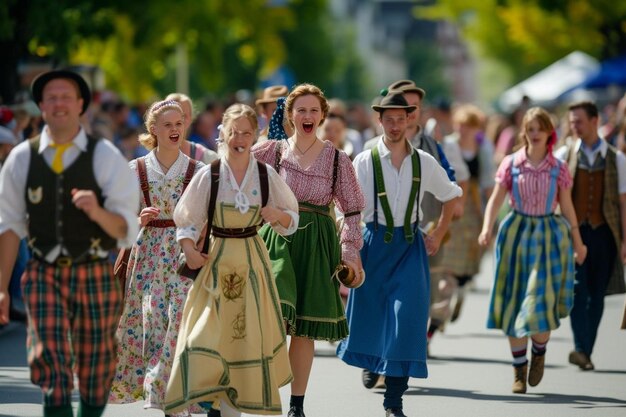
(388, 314)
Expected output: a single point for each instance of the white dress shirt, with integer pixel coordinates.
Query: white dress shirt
(120, 187)
(620, 159)
(398, 183)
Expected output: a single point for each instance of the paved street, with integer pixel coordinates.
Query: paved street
(470, 375)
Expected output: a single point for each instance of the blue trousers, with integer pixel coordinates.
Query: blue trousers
(592, 279)
(15, 291)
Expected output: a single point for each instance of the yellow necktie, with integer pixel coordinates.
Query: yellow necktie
(57, 161)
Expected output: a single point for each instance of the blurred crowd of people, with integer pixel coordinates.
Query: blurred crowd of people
(349, 126)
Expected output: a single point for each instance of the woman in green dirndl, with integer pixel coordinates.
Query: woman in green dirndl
(304, 263)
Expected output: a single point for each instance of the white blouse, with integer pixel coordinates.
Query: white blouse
(190, 214)
(164, 184)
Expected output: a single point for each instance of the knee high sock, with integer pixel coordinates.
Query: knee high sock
(86, 410)
(539, 349)
(519, 356)
(58, 411)
(396, 387)
(297, 401)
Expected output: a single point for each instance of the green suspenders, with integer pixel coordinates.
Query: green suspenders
(379, 184)
(409, 234)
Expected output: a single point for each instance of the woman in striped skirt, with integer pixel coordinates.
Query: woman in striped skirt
(534, 272)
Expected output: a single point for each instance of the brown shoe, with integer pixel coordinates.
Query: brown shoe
(519, 383)
(380, 383)
(536, 369)
(582, 360)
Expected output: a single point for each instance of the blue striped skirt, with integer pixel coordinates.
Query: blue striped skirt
(534, 275)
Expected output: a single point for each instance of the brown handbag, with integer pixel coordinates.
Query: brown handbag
(120, 268)
(121, 265)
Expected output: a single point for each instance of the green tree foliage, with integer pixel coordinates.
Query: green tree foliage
(426, 68)
(310, 46)
(527, 35)
(349, 77)
(230, 44)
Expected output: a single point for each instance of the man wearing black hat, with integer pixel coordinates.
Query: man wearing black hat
(420, 140)
(430, 206)
(75, 198)
(387, 315)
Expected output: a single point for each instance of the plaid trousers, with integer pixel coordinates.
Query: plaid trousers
(73, 314)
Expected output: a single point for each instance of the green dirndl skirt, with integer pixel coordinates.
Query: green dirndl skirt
(303, 264)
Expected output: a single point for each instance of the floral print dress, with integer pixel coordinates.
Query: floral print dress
(155, 296)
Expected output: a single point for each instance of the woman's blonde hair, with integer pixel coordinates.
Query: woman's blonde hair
(545, 124)
(469, 115)
(231, 114)
(305, 90)
(149, 140)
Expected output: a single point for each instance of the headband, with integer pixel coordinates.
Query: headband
(164, 103)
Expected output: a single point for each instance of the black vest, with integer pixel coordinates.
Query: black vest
(52, 217)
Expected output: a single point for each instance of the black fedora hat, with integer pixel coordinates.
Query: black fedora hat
(407, 86)
(40, 82)
(393, 100)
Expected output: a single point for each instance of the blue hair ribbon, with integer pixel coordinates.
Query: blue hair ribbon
(276, 129)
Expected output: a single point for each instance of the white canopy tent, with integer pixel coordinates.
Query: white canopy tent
(545, 87)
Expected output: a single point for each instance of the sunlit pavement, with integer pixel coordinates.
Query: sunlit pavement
(470, 375)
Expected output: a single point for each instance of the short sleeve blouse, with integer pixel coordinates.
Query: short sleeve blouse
(534, 182)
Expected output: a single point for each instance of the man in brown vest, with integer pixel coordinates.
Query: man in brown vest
(599, 195)
(75, 198)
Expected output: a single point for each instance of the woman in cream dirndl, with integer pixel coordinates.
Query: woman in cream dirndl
(304, 263)
(232, 347)
(155, 293)
(534, 272)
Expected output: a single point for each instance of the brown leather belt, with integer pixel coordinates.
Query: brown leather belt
(66, 261)
(302, 207)
(161, 223)
(237, 233)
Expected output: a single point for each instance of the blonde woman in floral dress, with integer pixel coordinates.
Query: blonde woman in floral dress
(155, 293)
